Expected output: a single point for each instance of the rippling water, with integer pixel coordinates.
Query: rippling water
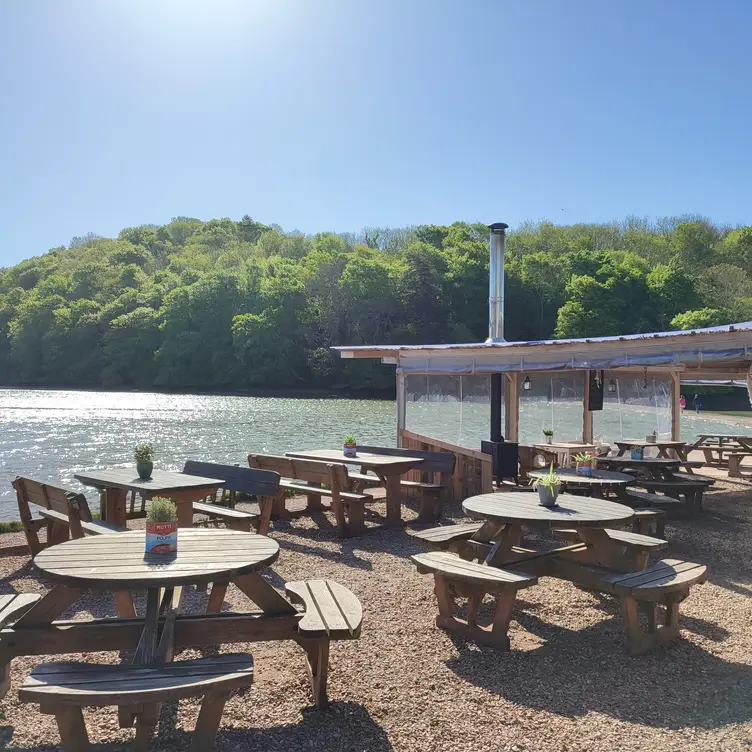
(52, 435)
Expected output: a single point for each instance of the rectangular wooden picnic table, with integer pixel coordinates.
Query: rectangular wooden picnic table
(387, 467)
(712, 444)
(565, 450)
(182, 488)
(663, 447)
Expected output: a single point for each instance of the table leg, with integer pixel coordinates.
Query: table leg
(185, 514)
(264, 595)
(147, 646)
(115, 505)
(499, 553)
(393, 499)
(604, 551)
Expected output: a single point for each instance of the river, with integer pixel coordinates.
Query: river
(52, 435)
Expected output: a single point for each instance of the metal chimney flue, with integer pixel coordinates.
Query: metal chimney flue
(496, 283)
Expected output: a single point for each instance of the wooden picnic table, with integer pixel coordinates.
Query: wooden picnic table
(565, 450)
(659, 468)
(389, 469)
(507, 513)
(664, 447)
(712, 444)
(182, 488)
(118, 563)
(599, 483)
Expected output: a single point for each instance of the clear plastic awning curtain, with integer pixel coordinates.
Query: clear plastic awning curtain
(455, 409)
(552, 401)
(636, 408)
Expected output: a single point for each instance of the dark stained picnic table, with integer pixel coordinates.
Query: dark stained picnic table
(507, 513)
(664, 447)
(659, 468)
(598, 483)
(182, 488)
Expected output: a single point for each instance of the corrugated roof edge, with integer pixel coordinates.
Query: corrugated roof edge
(725, 328)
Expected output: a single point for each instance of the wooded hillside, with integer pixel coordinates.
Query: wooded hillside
(233, 305)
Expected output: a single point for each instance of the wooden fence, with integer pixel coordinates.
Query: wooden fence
(473, 470)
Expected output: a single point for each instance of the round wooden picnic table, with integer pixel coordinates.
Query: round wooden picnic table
(598, 482)
(523, 508)
(118, 561)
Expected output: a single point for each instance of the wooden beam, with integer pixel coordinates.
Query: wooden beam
(512, 408)
(587, 416)
(401, 405)
(675, 407)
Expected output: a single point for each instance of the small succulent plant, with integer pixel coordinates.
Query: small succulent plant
(162, 510)
(144, 453)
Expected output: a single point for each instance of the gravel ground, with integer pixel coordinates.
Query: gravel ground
(567, 683)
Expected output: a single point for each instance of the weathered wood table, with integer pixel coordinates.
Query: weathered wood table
(664, 447)
(182, 488)
(658, 468)
(506, 514)
(715, 445)
(598, 484)
(387, 467)
(565, 450)
(118, 563)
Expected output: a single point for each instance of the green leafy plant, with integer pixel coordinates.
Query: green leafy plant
(349, 439)
(583, 457)
(144, 453)
(161, 510)
(548, 431)
(550, 480)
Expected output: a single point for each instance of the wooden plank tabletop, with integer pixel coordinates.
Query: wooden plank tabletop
(118, 561)
(520, 507)
(662, 462)
(598, 478)
(161, 480)
(362, 458)
(647, 444)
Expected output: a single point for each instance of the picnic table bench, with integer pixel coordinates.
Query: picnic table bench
(598, 558)
(717, 447)
(326, 611)
(431, 494)
(317, 479)
(735, 463)
(262, 484)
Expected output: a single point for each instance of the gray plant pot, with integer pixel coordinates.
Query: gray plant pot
(144, 469)
(547, 496)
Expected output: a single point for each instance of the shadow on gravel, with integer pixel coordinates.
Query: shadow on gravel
(576, 672)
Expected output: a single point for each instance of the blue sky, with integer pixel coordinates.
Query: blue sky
(337, 114)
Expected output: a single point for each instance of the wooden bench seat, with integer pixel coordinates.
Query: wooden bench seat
(62, 689)
(666, 583)
(638, 546)
(645, 497)
(735, 463)
(316, 479)
(332, 612)
(92, 527)
(261, 484)
(233, 518)
(455, 577)
(444, 537)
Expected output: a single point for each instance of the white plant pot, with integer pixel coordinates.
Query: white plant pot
(547, 496)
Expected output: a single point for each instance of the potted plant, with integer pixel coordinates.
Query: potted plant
(548, 487)
(350, 447)
(637, 452)
(161, 527)
(583, 463)
(549, 434)
(143, 456)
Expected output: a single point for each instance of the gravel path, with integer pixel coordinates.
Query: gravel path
(567, 684)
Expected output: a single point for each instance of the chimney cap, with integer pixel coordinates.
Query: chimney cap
(496, 226)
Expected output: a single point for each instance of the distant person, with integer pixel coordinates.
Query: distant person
(696, 403)
(683, 402)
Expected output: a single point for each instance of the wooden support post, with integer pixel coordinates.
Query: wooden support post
(675, 406)
(512, 407)
(587, 416)
(401, 405)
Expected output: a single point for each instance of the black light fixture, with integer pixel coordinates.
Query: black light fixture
(527, 385)
(611, 386)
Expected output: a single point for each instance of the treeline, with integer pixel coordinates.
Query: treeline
(233, 305)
